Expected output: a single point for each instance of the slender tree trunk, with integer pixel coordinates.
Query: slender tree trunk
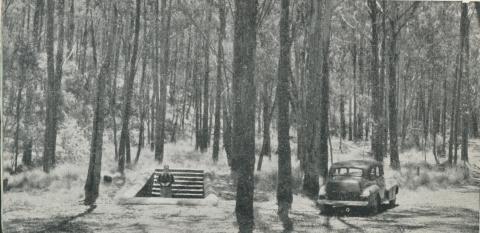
(21, 84)
(392, 99)
(113, 102)
(244, 95)
(143, 103)
(377, 90)
(37, 23)
(353, 130)
(71, 26)
(187, 76)
(206, 93)
(444, 115)
(50, 131)
(128, 92)
(452, 159)
(359, 115)
(284, 187)
(162, 106)
(266, 148)
(467, 100)
(84, 42)
(94, 169)
(219, 85)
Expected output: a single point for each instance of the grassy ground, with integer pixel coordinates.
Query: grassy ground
(52, 202)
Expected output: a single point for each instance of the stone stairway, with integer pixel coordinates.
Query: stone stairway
(188, 183)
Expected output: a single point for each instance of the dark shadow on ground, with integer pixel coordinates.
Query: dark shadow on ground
(59, 224)
(445, 219)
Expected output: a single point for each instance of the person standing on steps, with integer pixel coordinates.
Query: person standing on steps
(166, 180)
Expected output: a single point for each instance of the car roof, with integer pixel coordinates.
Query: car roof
(362, 164)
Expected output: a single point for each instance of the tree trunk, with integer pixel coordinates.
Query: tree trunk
(444, 115)
(467, 100)
(206, 93)
(244, 95)
(359, 114)
(354, 127)
(94, 169)
(284, 187)
(21, 84)
(392, 99)
(113, 102)
(128, 92)
(219, 87)
(187, 76)
(143, 103)
(316, 160)
(173, 87)
(37, 23)
(162, 105)
(51, 111)
(266, 148)
(83, 55)
(71, 26)
(377, 90)
(452, 155)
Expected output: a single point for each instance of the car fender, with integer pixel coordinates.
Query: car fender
(392, 192)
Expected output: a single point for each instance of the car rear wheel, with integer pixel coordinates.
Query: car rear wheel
(326, 209)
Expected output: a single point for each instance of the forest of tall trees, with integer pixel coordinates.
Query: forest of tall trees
(228, 75)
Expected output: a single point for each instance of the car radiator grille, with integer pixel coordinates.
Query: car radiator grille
(347, 196)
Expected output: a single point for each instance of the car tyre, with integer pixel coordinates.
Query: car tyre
(392, 203)
(374, 205)
(326, 209)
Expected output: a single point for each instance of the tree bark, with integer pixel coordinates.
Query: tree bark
(206, 93)
(284, 187)
(266, 147)
(128, 92)
(71, 26)
(377, 90)
(392, 92)
(162, 105)
(316, 160)
(94, 169)
(453, 145)
(142, 96)
(219, 84)
(50, 131)
(244, 95)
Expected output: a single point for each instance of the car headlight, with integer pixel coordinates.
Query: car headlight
(365, 193)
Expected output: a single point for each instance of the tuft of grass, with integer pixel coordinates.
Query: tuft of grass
(64, 176)
(431, 177)
(267, 181)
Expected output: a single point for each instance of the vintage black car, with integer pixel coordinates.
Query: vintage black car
(356, 183)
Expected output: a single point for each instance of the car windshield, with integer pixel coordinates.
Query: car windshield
(346, 171)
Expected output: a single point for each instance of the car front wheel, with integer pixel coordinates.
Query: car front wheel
(374, 205)
(392, 203)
